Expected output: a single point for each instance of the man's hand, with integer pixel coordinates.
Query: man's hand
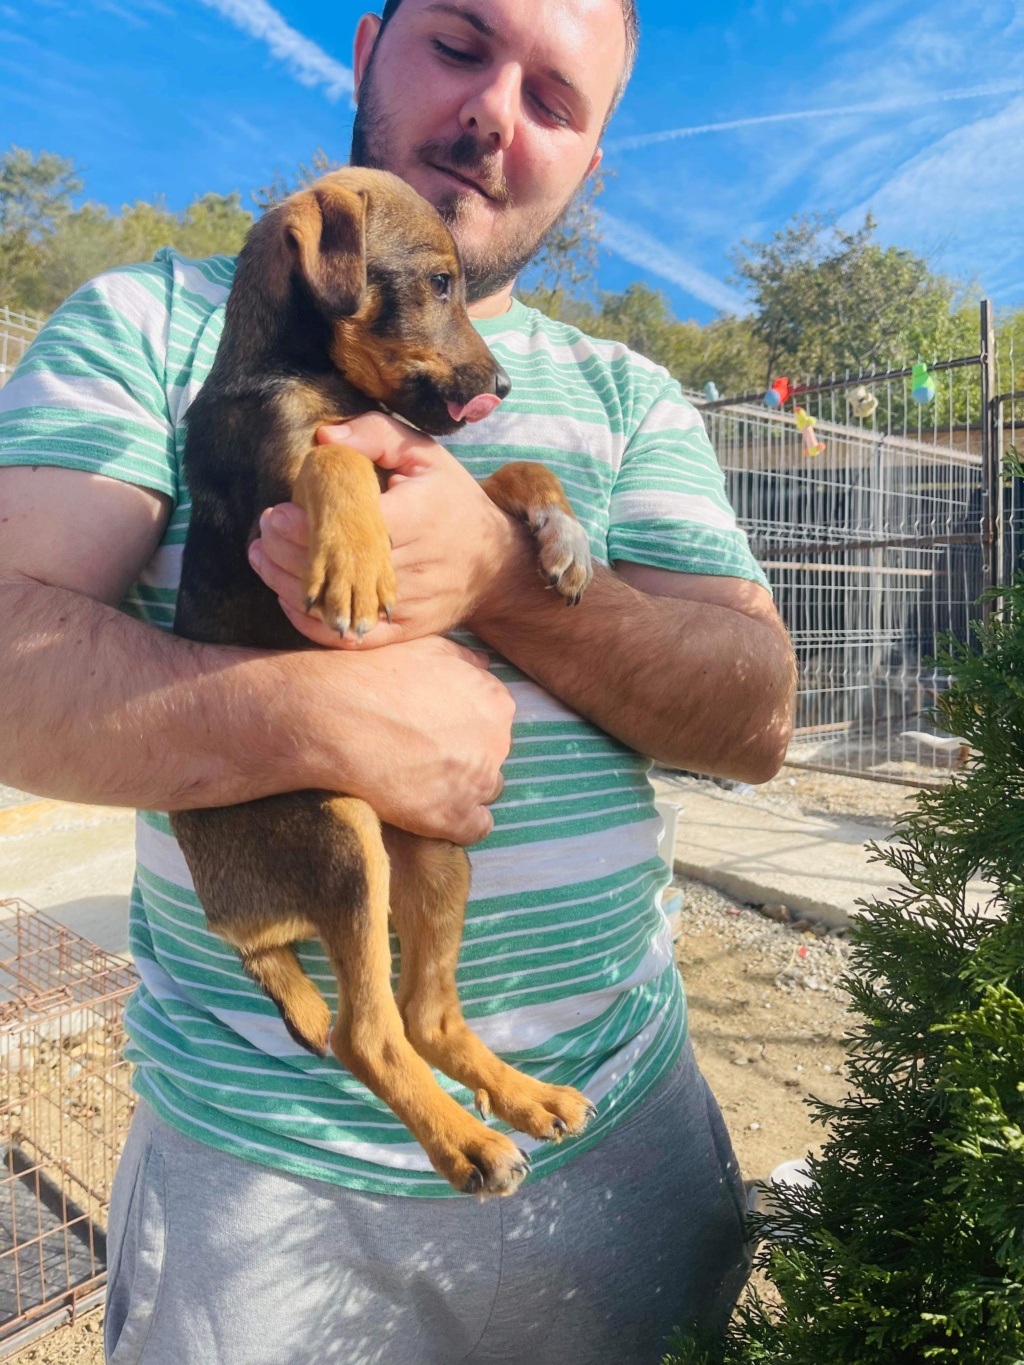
(419, 731)
(449, 541)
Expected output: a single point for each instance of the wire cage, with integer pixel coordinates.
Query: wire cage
(16, 333)
(65, 1108)
(872, 528)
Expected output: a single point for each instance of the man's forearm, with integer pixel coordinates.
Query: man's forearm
(97, 707)
(689, 684)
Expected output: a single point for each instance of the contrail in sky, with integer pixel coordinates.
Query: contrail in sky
(629, 144)
(639, 247)
(308, 63)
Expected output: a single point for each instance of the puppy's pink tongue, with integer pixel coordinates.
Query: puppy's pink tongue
(475, 409)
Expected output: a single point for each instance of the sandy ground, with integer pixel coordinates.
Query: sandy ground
(767, 1019)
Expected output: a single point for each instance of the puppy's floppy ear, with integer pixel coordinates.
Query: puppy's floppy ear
(325, 228)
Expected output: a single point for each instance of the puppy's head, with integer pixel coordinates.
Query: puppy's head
(380, 269)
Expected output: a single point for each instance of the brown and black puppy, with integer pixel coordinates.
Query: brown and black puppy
(348, 297)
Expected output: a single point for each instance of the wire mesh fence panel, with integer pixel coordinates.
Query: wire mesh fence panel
(869, 528)
(65, 1107)
(1008, 437)
(16, 333)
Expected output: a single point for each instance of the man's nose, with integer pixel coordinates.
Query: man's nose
(502, 383)
(490, 112)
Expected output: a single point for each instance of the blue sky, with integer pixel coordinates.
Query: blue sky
(914, 112)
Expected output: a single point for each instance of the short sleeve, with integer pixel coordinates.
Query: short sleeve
(90, 392)
(669, 507)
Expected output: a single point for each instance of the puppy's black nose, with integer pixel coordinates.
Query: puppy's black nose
(502, 383)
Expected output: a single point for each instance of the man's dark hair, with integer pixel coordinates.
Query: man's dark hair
(630, 18)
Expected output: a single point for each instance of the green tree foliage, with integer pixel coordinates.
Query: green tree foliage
(564, 272)
(48, 247)
(909, 1249)
(36, 195)
(825, 299)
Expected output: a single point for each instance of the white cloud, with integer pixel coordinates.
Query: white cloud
(962, 189)
(629, 144)
(308, 63)
(640, 248)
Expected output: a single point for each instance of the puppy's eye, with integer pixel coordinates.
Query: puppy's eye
(442, 286)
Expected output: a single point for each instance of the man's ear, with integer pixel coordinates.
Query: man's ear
(595, 161)
(367, 31)
(325, 229)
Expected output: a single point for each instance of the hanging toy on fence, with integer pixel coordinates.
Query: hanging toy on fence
(777, 394)
(711, 391)
(862, 403)
(922, 384)
(805, 425)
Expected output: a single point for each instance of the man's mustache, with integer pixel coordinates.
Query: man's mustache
(467, 156)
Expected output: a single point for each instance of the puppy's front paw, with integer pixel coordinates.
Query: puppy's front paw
(350, 580)
(564, 552)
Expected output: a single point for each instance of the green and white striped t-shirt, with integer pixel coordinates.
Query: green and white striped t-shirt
(566, 968)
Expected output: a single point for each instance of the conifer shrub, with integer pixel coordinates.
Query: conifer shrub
(909, 1247)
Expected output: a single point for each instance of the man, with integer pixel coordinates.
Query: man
(267, 1208)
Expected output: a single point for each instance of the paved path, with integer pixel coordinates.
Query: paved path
(76, 862)
(815, 865)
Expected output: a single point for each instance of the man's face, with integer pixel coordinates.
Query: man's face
(492, 110)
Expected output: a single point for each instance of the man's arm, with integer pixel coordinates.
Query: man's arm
(95, 706)
(696, 671)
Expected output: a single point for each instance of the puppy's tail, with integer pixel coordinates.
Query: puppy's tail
(302, 1007)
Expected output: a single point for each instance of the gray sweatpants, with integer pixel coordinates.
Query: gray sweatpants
(218, 1261)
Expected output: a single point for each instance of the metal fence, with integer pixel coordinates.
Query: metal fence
(16, 333)
(879, 542)
(65, 1107)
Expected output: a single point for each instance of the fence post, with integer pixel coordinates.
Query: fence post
(992, 493)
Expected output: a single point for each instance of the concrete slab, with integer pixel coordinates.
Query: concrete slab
(75, 862)
(817, 866)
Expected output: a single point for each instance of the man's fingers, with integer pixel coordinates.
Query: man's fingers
(288, 521)
(387, 442)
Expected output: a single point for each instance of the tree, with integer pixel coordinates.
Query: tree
(909, 1247)
(564, 271)
(829, 300)
(36, 195)
(280, 186)
(48, 247)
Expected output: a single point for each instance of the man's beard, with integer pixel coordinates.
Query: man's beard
(488, 269)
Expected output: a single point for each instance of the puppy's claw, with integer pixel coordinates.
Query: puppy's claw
(475, 1183)
(483, 1104)
(310, 603)
(387, 612)
(591, 1111)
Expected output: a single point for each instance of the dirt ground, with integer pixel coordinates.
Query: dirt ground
(767, 1016)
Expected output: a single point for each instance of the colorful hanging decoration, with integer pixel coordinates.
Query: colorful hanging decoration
(922, 384)
(862, 403)
(777, 394)
(805, 425)
(711, 391)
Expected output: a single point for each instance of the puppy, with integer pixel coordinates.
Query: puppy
(348, 297)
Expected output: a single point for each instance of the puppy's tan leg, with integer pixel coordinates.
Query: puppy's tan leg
(429, 891)
(533, 494)
(369, 1039)
(351, 579)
